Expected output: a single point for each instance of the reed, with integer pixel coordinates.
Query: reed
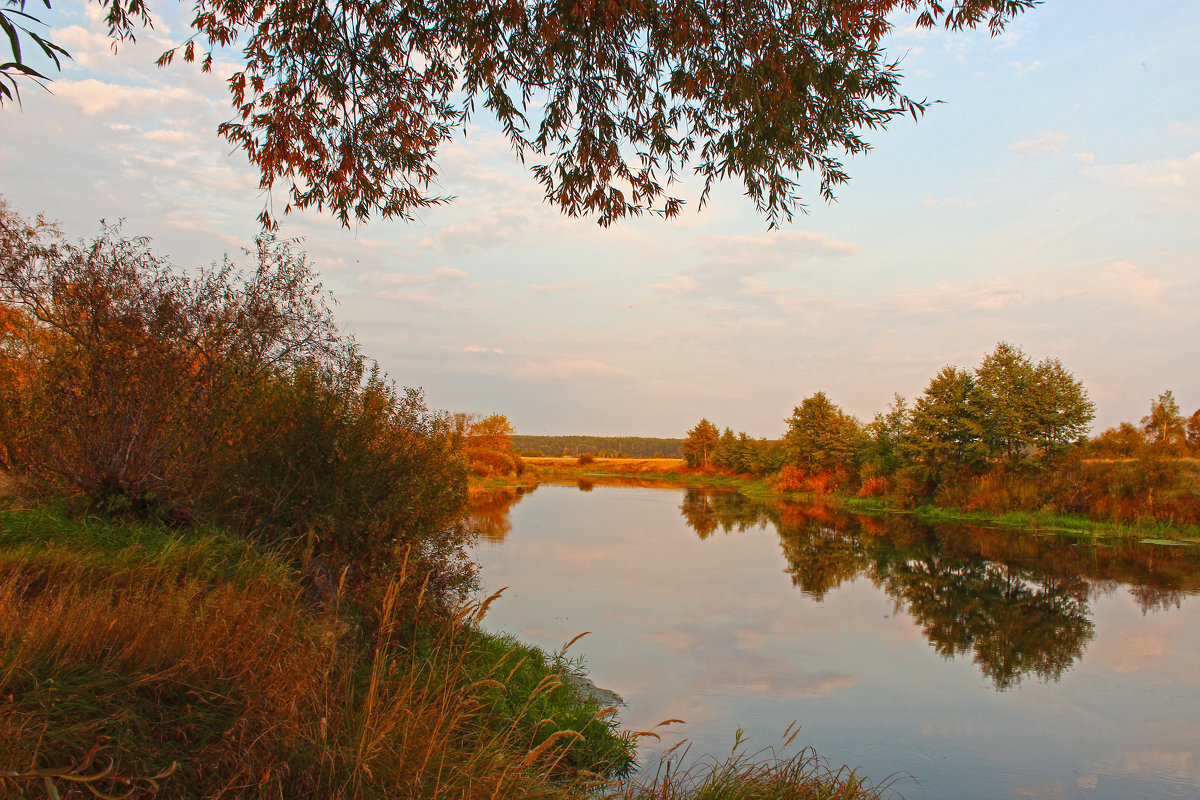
(139, 654)
(768, 774)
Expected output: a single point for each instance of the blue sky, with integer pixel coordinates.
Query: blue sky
(1051, 200)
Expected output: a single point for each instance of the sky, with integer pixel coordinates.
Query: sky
(1050, 198)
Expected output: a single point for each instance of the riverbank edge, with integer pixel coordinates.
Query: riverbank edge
(60, 699)
(760, 488)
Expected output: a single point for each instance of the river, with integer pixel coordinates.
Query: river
(958, 661)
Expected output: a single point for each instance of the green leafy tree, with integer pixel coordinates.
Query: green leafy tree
(1164, 425)
(821, 436)
(700, 443)
(946, 428)
(884, 438)
(1062, 411)
(17, 24)
(726, 454)
(1004, 396)
(345, 104)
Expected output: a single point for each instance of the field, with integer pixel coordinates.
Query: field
(622, 465)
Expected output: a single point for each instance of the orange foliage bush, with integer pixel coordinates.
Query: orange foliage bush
(874, 487)
(795, 479)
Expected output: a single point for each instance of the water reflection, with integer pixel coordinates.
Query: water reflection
(728, 613)
(1017, 603)
(488, 512)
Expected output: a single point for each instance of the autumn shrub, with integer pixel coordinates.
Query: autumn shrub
(332, 460)
(875, 486)
(798, 479)
(223, 395)
(486, 462)
(584, 459)
(487, 444)
(126, 366)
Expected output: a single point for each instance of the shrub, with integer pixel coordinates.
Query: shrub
(226, 396)
(585, 459)
(123, 369)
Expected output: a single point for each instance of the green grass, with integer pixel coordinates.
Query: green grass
(537, 696)
(186, 660)
(760, 488)
(769, 774)
(49, 538)
(1034, 521)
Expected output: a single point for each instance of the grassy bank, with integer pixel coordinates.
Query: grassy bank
(190, 664)
(673, 472)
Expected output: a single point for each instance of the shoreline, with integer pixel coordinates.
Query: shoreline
(671, 473)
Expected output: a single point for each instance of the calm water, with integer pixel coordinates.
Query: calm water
(983, 663)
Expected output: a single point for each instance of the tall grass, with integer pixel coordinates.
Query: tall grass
(130, 657)
(768, 774)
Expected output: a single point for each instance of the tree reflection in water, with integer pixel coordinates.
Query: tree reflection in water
(1018, 603)
(488, 511)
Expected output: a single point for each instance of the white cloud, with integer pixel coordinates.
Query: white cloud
(1127, 283)
(678, 284)
(958, 201)
(1150, 174)
(1048, 142)
(783, 244)
(1087, 158)
(562, 368)
(474, 348)
(94, 97)
(562, 286)
(171, 137)
(440, 289)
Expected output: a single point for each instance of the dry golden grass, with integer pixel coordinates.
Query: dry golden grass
(250, 692)
(630, 465)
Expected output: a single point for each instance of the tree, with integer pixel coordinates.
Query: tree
(346, 104)
(884, 438)
(1164, 425)
(726, 454)
(487, 443)
(821, 436)
(1193, 430)
(946, 427)
(1062, 412)
(1004, 385)
(699, 445)
(1125, 441)
(14, 22)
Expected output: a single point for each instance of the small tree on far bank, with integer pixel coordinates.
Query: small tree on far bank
(821, 436)
(700, 443)
(1164, 425)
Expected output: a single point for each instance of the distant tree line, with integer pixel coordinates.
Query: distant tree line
(600, 446)
(1009, 435)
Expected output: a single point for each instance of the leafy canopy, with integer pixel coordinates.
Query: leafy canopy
(346, 103)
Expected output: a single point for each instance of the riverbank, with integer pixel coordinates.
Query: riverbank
(139, 660)
(675, 472)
